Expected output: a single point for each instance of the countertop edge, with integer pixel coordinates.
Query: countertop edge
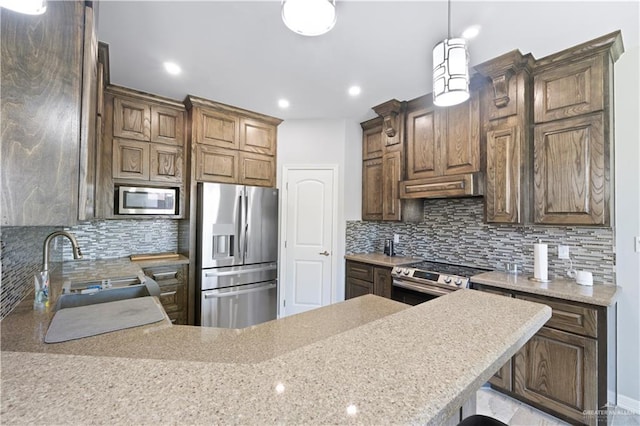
(606, 296)
(380, 259)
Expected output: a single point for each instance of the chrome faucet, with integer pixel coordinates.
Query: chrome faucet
(77, 254)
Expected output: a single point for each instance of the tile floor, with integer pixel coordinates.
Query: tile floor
(516, 413)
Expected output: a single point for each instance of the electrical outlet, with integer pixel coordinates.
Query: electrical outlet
(396, 239)
(148, 238)
(563, 252)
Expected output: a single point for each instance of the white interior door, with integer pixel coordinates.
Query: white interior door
(309, 220)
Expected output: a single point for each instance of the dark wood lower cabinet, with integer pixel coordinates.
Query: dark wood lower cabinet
(364, 278)
(567, 367)
(558, 370)
(172, 280)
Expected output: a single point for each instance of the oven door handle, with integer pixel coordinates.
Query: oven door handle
(421, 289)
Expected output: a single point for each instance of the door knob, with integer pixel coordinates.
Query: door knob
(324, 253)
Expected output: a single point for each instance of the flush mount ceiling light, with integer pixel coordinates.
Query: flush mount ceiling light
(309, 17)
(450, 69)
(172, 68)
(28, 7)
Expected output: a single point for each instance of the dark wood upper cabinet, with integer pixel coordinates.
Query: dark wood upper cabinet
(505, 102)
(232, 145)
(371, 189)
(46, 115)
(423, 138)
(573, 134)
(142, 143)
(443, 149)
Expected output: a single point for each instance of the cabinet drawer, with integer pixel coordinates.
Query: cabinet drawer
(162, 274)
(572, 318)
(170, 297)
(360, 270)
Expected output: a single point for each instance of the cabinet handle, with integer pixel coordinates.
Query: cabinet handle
(164, 275)
(168, 293)
(173, 321)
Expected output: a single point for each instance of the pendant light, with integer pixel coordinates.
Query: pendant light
(450, 69)
(28, 7)
(309, 17)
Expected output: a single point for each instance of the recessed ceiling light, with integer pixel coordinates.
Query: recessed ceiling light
(172, 68)
(283, 103)
(354, 90)
(471, 32)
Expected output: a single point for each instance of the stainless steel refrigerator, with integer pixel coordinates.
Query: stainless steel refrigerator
(237, 255)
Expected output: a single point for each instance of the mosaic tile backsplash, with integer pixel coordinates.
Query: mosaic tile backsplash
(453, 231)
(107, 239)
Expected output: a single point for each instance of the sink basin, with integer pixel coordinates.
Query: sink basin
(74, 298)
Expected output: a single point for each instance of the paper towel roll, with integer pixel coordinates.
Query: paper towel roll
(540, 261)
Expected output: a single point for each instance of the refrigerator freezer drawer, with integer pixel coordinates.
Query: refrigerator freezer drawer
(237, 275)
(239, 307)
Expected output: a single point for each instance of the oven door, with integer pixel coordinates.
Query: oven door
(413, 293)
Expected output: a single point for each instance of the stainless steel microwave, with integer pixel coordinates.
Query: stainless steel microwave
(146, 201)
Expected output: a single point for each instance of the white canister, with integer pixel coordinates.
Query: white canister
(584, 278)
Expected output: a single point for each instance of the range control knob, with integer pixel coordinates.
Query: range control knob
(447, 280)
(459, 282)
(406, 271)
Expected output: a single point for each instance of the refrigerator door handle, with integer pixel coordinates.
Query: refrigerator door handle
(218, 294)
(244, 271)
(239, 223)
(246, 226)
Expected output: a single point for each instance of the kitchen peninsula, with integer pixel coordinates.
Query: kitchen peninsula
(366, 360)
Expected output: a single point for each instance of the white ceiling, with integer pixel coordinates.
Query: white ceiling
(240, 52)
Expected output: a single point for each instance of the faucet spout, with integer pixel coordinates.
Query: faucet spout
(77, 254)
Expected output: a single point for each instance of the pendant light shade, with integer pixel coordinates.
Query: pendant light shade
(309, 17)
(28, 7)
(450, 72)
(450, 69)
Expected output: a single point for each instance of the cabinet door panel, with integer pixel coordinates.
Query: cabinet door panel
(131, 119)
(356, 287)
(423, 144)
(372, 189)
(570, 185)
(166, 163)
(461, 148)
(216, 164)
(372, 143)
(257, 136)
(391, 170)
(167, 125)
(569, 91)
(41, 93)
(217, 129)
(257, 169)
(502, 196)
(558, 370)
(382, 282)
(130, 159)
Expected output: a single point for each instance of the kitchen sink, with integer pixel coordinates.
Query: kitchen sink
(94, 292)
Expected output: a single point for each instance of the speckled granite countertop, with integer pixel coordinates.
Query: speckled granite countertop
(391, 362)
(382, 259)
(598, 294)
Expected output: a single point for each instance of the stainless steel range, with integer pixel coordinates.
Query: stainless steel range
(424, 281)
